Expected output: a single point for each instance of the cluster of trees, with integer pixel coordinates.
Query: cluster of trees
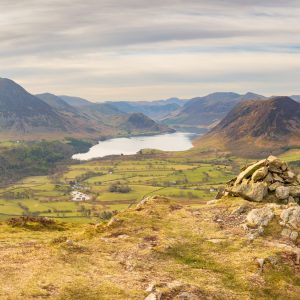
(79, 146)
(86, 176)
(32, 158)
(119, 188)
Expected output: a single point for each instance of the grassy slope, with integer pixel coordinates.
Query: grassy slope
(159, 243)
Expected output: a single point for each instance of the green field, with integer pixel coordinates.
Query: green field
(189, 181)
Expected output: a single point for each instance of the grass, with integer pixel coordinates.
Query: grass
(161, 242)
(173, 177)
(188, 177)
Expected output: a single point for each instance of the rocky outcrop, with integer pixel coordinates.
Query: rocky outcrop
(290, 220)
(269, 180)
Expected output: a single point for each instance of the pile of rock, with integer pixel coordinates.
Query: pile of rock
(269, 180)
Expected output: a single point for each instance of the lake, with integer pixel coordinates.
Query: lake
(177, 141)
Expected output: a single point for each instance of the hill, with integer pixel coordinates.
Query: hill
(296, 97)
(138, 121)
(259, 126)
(156, 250)
(156, 110)
(206, 111)
(75, 101)
(56, 102)
(24, 113)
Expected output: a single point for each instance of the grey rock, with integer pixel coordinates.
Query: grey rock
(153, 296)
(295, 191)
(241, 210)
(273, 161)
(150, 288)
(260, 174)
(282, 192)
(253, 191)
(290, 174)
(249, 171)
(260, 262)
(274, 186)
(284, 166)
(269, 178)
(294, 235)
(276, 177)
(291, 217)
(286, 232)
(291, 200)
(260, 216)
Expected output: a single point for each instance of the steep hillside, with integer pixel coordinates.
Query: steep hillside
(24, 113)
(255, 126)
(75, 101)
(157, 250)
(208, 110)
(296, 97)
(56, 102)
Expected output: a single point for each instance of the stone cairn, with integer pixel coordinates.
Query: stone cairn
(268, 180)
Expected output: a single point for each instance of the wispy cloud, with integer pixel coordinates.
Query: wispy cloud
(138, 49)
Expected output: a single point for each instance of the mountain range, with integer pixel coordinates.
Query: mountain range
(205, 112)
(27, 116)
(233, 117)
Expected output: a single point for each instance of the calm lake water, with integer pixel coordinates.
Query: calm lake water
(178, 141)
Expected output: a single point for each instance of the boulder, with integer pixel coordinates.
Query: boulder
(253, 191)
(274, 162)
(291, 217)
(260, 216)
(260, 174)
(295, 191)
(276, 177)
(274, 186)
(282, 192)
(249, 171)
(289, 234)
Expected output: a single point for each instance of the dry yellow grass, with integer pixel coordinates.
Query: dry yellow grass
(201, 250)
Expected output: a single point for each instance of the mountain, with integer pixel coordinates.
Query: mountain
(75, 101)
(22, 112)
(254, 126)
(138, 121)
(206, 111)
(24, 116)
(156, 110)
(296, 97)
(56, 102)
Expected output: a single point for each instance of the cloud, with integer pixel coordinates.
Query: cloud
(104, 49)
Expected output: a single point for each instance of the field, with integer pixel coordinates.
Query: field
(188, 179)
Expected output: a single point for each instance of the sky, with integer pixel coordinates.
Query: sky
(151, 49)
